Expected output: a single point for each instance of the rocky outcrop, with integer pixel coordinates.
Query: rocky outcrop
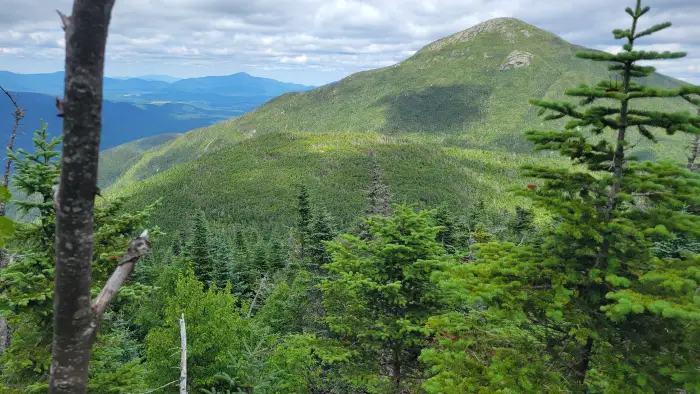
(516, 59)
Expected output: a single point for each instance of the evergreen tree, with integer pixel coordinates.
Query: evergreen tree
(35, 176)
(243, 274)
(379, 293)
(378, 193)
(200, 250)
(320, 230)
(452, 235)
(222, 259)
(303, 221)
(259, 258)
(522, 225)
(179, 243)
(591, 309)
(277, 255)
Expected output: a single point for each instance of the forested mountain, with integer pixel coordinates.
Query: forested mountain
(456, 108)
(502, 212)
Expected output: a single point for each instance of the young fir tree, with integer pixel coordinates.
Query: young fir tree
(35, 176)
(379, 294)
(592, 309)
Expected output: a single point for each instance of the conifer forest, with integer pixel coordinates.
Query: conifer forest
(293, 259)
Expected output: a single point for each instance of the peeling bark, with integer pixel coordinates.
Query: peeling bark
(75, 321)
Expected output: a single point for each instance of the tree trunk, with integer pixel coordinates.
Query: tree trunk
(396, 367)
(183, 356)
(75, 322)
(581, 368)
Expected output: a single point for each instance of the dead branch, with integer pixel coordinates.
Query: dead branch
(183, 356)
(138, 248)
(4, 261)
(19, 115)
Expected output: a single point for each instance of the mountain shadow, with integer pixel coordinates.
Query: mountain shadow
(436, 108)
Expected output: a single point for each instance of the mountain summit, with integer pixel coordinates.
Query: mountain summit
(509, 29)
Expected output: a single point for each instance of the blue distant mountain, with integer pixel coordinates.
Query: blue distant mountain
(240, 84)
(136, 108)
(121, 122)
(163, 78)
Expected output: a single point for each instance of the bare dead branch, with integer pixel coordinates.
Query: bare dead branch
(138, 248)
(66, 20)
(183, 356)
(19, 115)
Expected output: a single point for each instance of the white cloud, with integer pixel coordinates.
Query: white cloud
(295, 60)
(315, 41)
(10, 51)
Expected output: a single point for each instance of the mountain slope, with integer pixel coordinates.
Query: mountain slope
(446, 125)
(114, 161)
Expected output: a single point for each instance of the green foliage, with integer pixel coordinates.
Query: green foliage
(26, 297)
(200, 249)
(7, 226)
(303, 221)
(320, 230)
(379, 291)
(590, 308)
(35, 176)
(215, 328)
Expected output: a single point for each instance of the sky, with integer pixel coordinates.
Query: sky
(319, 41)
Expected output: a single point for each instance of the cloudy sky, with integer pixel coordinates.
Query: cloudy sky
(318, 41)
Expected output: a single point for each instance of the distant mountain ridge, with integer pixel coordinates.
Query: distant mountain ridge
(239, 84)
(121, 122)
(137, 108)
